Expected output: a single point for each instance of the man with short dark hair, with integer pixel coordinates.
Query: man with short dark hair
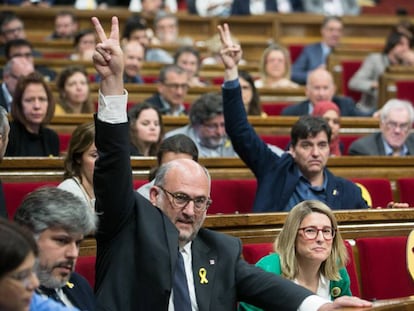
(206, 127)
(315, 55)
(66, 26)
(59, 221)
(172, 88)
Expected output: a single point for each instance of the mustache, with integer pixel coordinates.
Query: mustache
(69, 264)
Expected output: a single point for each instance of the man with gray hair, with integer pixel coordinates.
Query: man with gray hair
(59, 222)
(394, 138)
(206, 127)
(4, 140)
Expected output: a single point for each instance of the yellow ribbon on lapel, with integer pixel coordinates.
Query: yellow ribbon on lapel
(203, 276)
(69, 284)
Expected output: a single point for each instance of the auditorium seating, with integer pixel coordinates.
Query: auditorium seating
(349, 67)
(383, 267)
(379, 189)
(274, 109)
(281, 141)
(64, 139)
(85, 266)
(15, 192)
(232, 196)
(406, 190)
(405, 90)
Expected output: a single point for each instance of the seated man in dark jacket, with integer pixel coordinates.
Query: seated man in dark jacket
(320, 86)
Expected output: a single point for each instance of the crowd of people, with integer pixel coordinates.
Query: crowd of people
(160, 224)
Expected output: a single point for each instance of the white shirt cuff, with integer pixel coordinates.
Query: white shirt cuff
(312, 303)
(113, 109)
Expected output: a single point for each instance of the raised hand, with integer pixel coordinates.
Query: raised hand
(108, 58)
(230, 52)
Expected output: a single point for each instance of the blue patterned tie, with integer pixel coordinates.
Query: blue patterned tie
(182, 300)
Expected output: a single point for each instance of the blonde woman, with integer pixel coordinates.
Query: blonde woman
(275, 68)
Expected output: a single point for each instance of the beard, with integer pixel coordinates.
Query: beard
(213, 142)
(47, 279)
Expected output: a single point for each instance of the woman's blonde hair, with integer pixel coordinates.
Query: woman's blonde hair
(285, 243)
(265, 55)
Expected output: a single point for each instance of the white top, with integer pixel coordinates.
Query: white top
(136, 5)
(74, 186)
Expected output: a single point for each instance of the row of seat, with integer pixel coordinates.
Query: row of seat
(377, 266)
(233, 196)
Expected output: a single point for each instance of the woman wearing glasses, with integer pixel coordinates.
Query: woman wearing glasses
(18, 281)
(310, 251)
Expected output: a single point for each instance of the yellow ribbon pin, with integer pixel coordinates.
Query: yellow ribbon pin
(203, 276)
(69, 284)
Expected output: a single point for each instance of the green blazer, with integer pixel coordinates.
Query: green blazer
(271, 263)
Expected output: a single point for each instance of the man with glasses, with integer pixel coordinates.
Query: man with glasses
(148, 256)
(394, 138)
(23, 48)
(207, 128)
(12, 71)
(172, 90)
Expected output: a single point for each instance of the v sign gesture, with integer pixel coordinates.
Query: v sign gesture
(230, 53)
(108, 58)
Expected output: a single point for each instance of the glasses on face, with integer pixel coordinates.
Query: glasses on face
(311, 232)
(394, 125)
(12, 30)
(25, 277)
(180, 200)
(176, 86)
(26, 55)
(213, 126)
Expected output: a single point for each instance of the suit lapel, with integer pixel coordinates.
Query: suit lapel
(204, 262)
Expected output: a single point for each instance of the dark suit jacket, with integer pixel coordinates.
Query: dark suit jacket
(137, 248)
(277, 176)
(3, 101)
(242, 7)
(156, 101)
(81, 294)
(346, 106)
(22, 143)
(373, 145)
(310, 58)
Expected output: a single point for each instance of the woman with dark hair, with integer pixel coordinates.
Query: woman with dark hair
(250, 95)
(146, 129)
(365, 80)
(79, 164)
(18, 280)
(32, 109)
(74, 92)
(84, 44)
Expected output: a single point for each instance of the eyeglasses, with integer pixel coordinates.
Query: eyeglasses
(213, 126)
(311, 232)
(180, 200)
(26, 55)
(176, 86)
(25, 277)
(12, 30)
(394, 125)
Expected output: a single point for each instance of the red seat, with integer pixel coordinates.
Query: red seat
(351, 268)
(281, 141)
(138, 183)
(14, 193)
(406, 187)
(150, 79)
(405, 90)
(232, 196)
(274, 109)
(252, 252)
(379, 189)
(64, 139)
(349, 67)
(85, 266)
(347, 140)
(383, 268)
(295, 50)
